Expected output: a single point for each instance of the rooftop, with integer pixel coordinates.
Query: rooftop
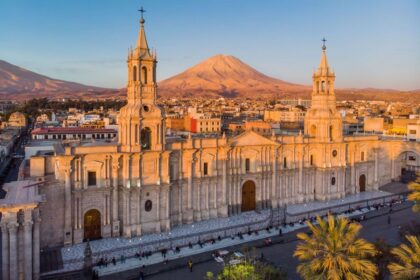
(71, 130)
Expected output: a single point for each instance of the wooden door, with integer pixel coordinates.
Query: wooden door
(92, 225)
(248, 196)
(362, 183)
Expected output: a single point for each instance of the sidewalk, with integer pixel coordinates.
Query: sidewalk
(137, 263)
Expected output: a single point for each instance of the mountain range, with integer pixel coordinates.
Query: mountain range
(218, 76)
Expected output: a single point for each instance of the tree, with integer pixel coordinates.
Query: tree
(335, 252)
(242, 271)
(407, 265)
(248, 270)
(383, 256)
(415, 195)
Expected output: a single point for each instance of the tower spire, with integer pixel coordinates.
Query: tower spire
(323, 65)
(141, 45)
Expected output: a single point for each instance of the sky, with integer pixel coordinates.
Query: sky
(370, 43)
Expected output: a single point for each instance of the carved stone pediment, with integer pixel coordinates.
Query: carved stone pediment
(251, 138)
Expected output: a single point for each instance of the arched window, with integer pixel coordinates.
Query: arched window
(284, 162)
(144, 74)
(323, 86)
(146, 138)
(135, 73)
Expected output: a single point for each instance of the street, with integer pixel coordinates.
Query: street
(282, 254)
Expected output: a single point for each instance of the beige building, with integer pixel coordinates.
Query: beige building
(203, 124)
(290, 115)
(374, 124)
(145, 184)
(413, 132)
(17, 119)
(261, 127)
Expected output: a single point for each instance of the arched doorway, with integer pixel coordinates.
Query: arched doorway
(248, 196)
(362, 183)
(92, 225)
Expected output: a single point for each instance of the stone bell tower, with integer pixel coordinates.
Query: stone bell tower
(141, 121)
(323, 121)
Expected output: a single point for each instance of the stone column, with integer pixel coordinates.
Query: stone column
(27, 239)
(36, 247)
(302, 195)
(190, 179)
(67, 207)
(376, 182)
(5, 249)
(353, 176)
(223, 209)
(13, 246)
(274, 196)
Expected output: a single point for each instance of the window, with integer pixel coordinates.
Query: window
(135, 73)
(205, 168)
(148, 205)
(144, 74)
(247, 165)
(146, 138)
(284, 163)
(323, 86)
(412, 158)
(331, 132)
(312, 160)
(334, 153)
(333, 181)
(91, 178)
(412, 131)
(362, 156)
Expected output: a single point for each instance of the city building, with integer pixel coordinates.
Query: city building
(17, 119)
(146, 183)
(71, 133)
(413, 132)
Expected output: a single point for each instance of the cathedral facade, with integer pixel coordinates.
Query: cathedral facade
(145, 183)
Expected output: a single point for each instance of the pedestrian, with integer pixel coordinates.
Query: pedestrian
(114, 261)
(190, 265)
(141, 275)
(262, 256)
(280, 232)
(389, 219)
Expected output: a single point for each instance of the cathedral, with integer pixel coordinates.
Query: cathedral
(146, 183)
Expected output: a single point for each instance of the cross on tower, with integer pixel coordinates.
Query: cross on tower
(323, 44)
(142, 11)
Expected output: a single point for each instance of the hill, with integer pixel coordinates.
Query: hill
(21, 83)
(227, 76)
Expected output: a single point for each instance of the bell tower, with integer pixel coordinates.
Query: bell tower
(322, 120)
(141, 121)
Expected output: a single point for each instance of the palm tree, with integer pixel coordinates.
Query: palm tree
(334, 251)
(415, 195)
(408, 260)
